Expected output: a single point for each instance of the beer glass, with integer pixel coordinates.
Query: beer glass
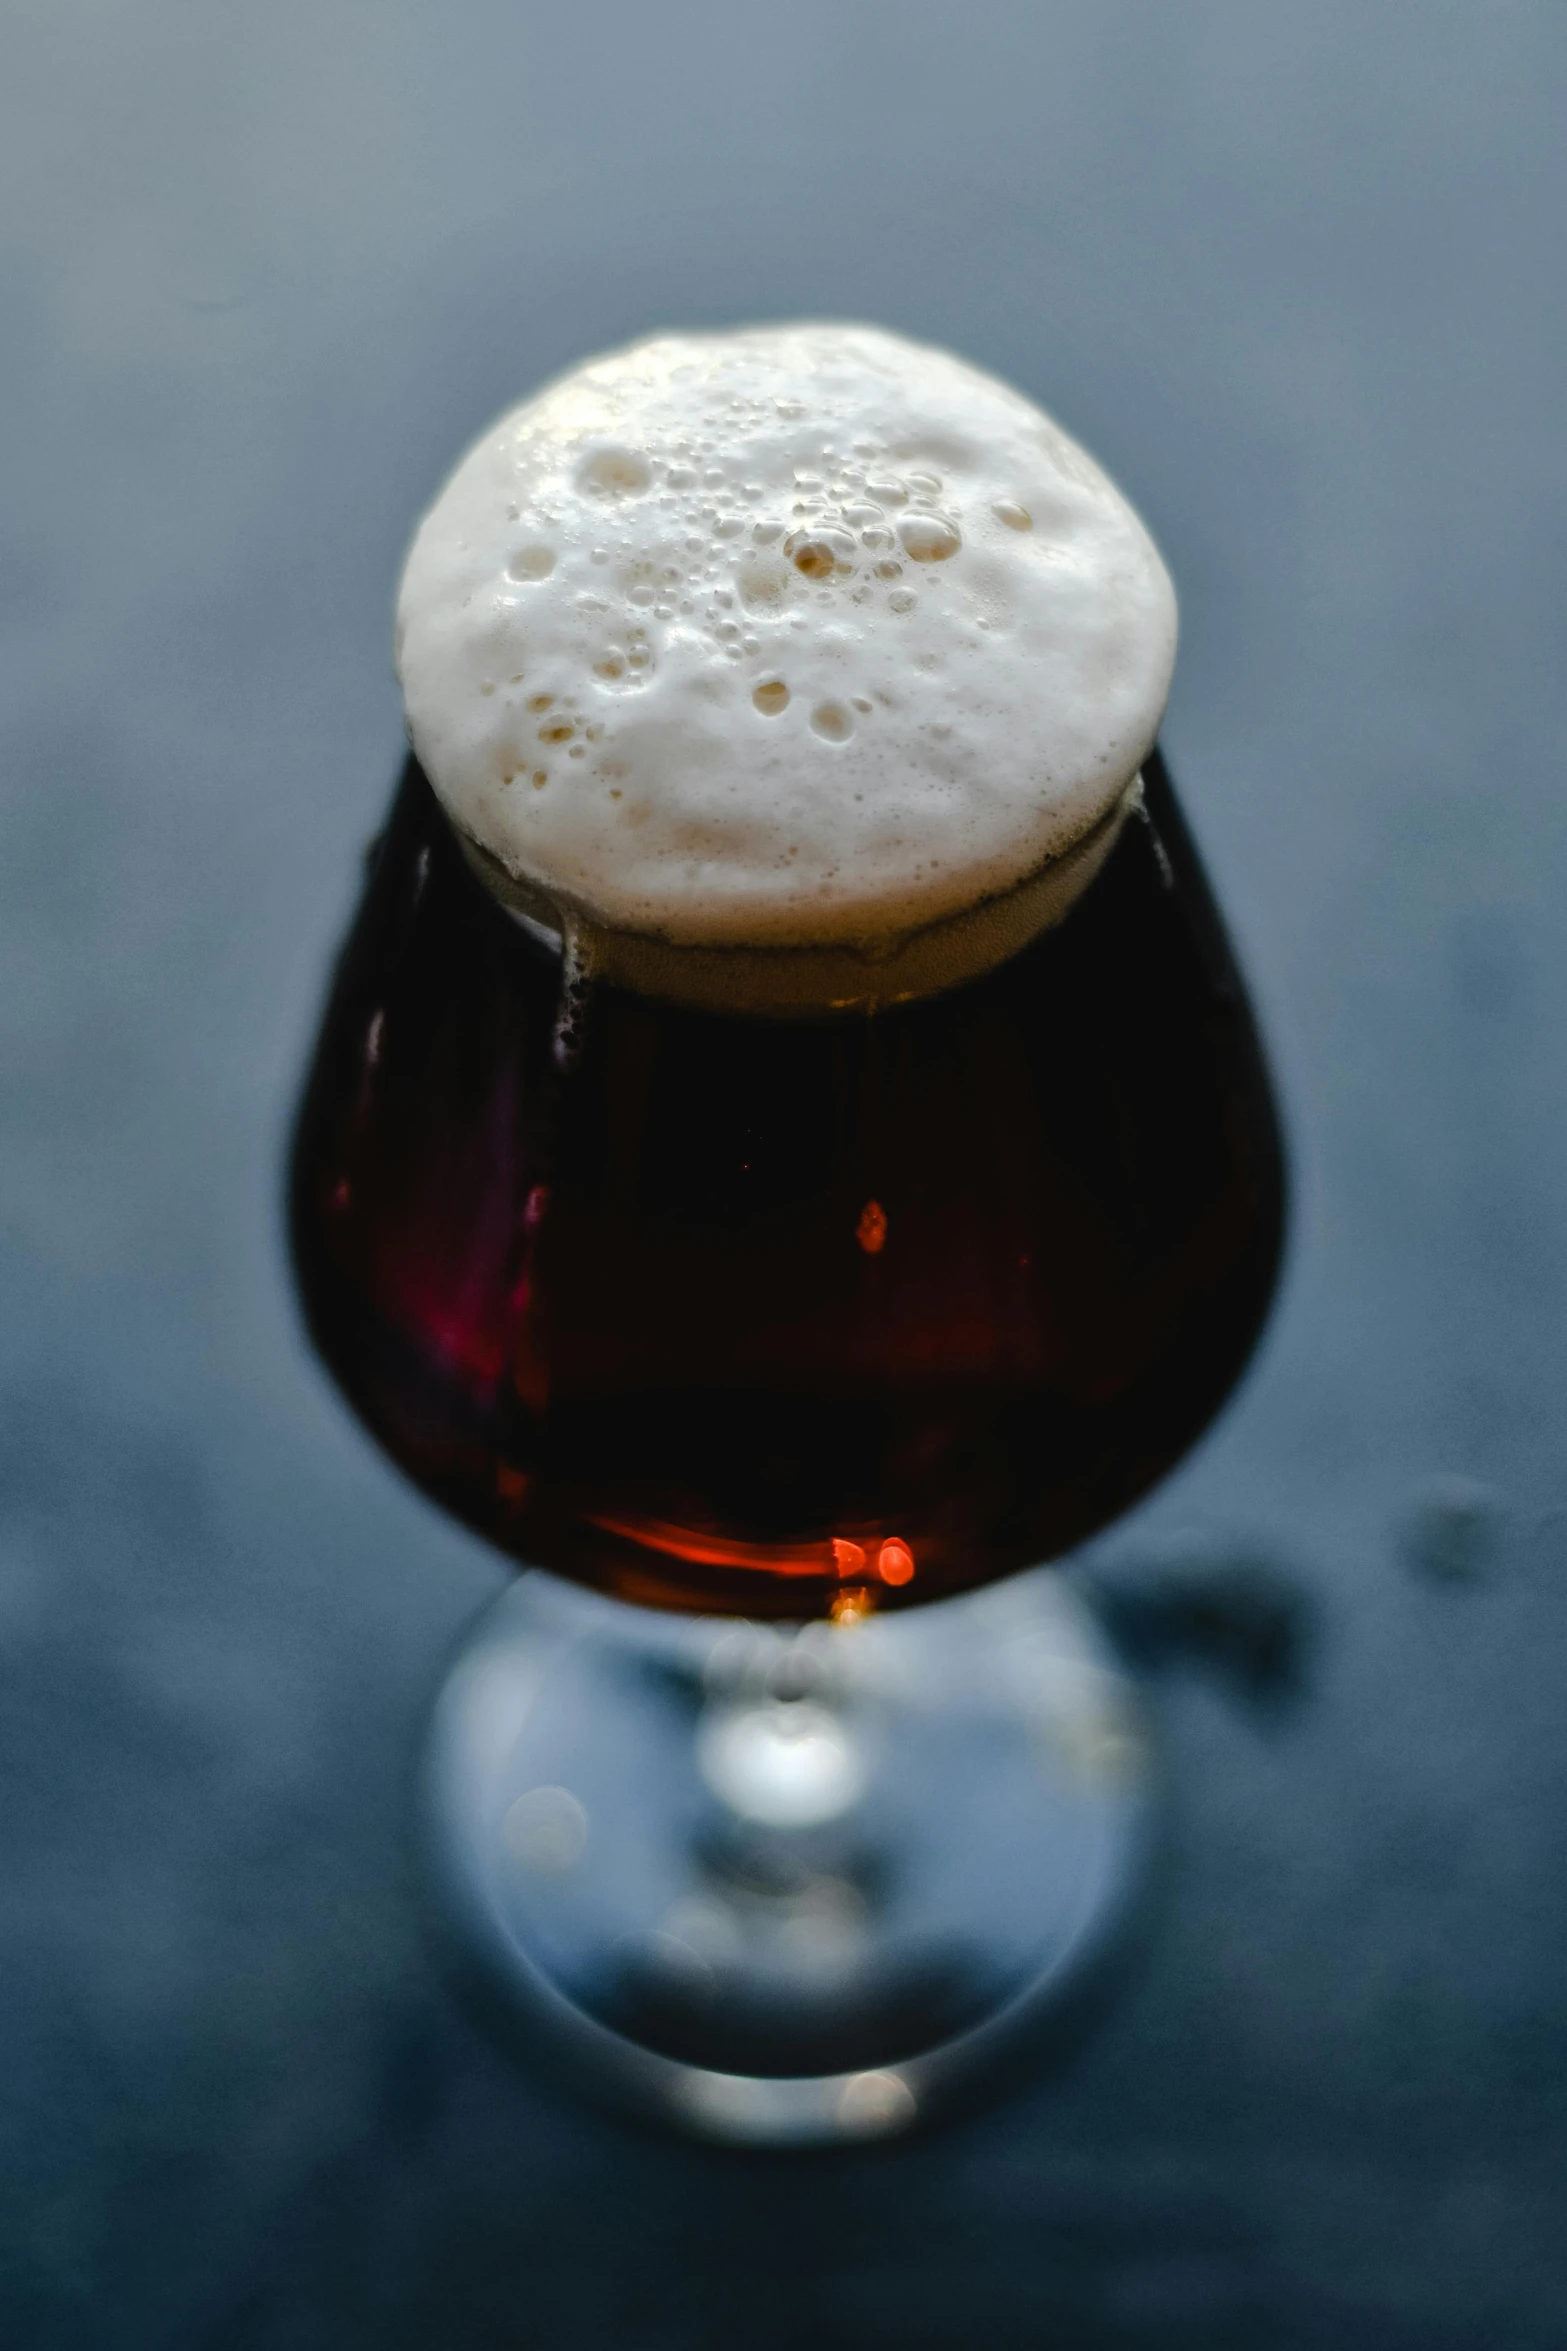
(767, 1340)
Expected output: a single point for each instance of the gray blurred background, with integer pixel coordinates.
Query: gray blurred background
(1296, 277)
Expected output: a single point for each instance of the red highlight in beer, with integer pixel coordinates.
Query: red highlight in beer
(895, 1562)
(600, 1304)
(700, 1550)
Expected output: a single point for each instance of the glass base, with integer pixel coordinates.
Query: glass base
(786, 1886)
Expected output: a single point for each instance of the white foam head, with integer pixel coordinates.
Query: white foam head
(780, 664)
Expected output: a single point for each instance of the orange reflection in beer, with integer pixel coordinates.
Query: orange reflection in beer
(871, 1231)
(703, 1550)
(852, 1564)
(895, 1562)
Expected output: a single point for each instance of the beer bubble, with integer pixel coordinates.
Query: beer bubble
(818, 554)
(1016, 518)
(928, 539)
(615, 473)
(770, 697)
(531, 563)
(832, 722)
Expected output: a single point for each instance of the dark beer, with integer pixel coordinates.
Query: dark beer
(745, 1314)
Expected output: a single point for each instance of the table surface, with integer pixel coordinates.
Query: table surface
(1295, 276)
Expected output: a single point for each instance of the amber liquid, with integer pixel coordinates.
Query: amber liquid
(751, 1315)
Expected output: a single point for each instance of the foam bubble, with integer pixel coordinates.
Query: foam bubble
(956, 630)
(615, 473)
(929, 538)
